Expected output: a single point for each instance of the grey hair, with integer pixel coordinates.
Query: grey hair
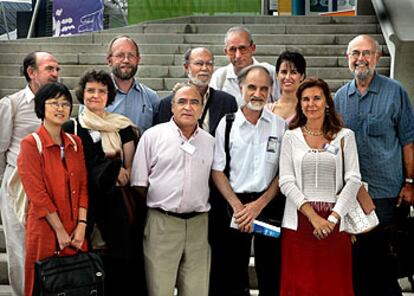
(378, 47)
(181, 85)
(189, 51)
(245, 71)
(238, 29)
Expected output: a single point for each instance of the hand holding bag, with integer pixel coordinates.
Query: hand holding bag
(77, 275)
(359, 220)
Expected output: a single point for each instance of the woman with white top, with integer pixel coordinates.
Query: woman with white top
(319, 186)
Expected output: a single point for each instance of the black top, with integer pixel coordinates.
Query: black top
(106, 206)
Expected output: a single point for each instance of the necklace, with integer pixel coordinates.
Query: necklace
(312, 133)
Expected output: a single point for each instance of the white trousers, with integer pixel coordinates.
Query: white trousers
(15, 235)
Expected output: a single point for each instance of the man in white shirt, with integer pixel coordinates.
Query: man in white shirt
(18, 119)
(239, 48)
(171, 168)
(252, 182)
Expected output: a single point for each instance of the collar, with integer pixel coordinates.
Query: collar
(28, 94)
(177, 129)
(48, 142)
(135, 84)
(241, 119)
(373, 87)
(230, 69)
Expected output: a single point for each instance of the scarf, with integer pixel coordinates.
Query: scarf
(108, 125)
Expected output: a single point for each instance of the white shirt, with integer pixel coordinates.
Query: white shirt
(291, 177)
(177, 179)
(17, 120)
(225, 79)
(254, 151)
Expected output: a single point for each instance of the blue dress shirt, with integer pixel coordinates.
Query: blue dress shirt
(383, 122)
(140, 104)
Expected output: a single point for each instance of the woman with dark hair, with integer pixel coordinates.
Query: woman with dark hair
(290, 72)
(109, 142)
(319, 174)
(54, 180)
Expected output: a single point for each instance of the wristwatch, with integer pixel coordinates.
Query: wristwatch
(333, 219)
(409, 180)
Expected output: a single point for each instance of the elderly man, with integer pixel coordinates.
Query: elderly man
(199, 65)
(239, 49)
(18, 119)
(133, 99)
(252, 182)
(172, 168)
(379, 111)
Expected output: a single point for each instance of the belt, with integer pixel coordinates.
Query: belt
(179, 215)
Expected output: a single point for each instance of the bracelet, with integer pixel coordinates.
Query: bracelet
(333, 219)
(82, 221)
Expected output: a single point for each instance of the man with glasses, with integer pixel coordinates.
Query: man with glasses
(199, 66)
(133, 99)
(239, 49)
(380, 113)
(18, 119)
(171, 169)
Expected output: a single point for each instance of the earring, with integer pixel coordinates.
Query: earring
(327, 110)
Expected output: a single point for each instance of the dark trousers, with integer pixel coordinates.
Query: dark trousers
(231, 249)
(374, 267)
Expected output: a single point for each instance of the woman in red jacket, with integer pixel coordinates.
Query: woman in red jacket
(54, 181)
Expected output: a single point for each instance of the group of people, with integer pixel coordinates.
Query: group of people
(152, 185)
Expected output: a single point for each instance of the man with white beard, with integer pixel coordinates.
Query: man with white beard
(250, 182)
(199, 67)
(133, 99)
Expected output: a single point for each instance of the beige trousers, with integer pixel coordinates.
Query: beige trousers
(177, 254)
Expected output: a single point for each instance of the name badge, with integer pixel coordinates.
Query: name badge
(187, 147)
(271, 144)
(331, 148)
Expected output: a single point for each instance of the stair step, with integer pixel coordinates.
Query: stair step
(3, 269)
(5, 290)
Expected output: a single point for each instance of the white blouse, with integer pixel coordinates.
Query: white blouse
(291, 178)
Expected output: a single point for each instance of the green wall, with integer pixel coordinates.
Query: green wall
(142, 10)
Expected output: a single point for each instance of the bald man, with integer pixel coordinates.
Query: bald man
(380, 113)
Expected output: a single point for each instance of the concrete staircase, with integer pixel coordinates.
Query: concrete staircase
(322, 40)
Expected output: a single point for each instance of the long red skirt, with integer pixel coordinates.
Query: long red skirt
(312, 267)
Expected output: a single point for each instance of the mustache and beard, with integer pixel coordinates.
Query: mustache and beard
(362, 75)
(255, 103)
(124, 72)
(196, 81)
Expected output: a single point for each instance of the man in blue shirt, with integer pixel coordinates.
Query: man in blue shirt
(133, 99)
(380, 113)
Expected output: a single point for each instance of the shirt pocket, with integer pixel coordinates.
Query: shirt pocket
(378, 125)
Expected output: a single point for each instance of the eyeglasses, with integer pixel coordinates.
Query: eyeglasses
(243, 49)
(365, 53)
(98, 91)
(184, 102)
(57, 105)
(129, 55)
(200, 64)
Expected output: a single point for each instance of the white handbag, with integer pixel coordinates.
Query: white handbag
(357, 222)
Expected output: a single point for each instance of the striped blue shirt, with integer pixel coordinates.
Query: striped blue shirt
(383, 122)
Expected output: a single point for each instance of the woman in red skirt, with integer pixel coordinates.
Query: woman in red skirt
(316, 252)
